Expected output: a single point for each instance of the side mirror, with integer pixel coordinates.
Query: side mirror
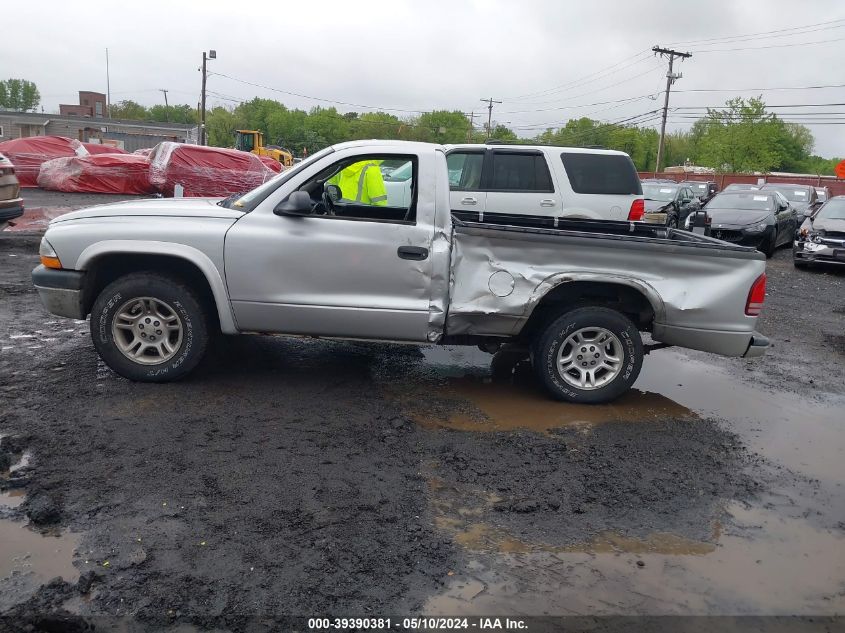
(297, 203)
(333, 192)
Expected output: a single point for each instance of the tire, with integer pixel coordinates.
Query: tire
(553, 342)
(769, 249)
(148, 303)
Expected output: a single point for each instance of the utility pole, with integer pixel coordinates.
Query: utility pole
(670, 79)
(108, 87)
(212, 54)
(471, 126)
(166, 105)
(489, 103)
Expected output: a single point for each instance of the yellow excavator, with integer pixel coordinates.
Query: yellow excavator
(253, 141)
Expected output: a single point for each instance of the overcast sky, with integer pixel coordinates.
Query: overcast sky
(547, 61)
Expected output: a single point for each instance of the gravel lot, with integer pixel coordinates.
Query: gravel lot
(314, 478)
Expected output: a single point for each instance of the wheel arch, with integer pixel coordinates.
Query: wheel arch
(633, 297)
(108, 260)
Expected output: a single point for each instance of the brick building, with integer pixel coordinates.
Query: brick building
(91, 104)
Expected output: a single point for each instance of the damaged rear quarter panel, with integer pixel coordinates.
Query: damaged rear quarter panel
(689, 285)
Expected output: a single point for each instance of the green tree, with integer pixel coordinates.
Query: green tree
(19, 94)
(172, 114)
(742, 137)
(220, 126)
(128, 109)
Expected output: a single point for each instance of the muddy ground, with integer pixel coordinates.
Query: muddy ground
(313, 478)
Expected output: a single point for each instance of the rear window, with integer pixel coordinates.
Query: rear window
(609, 174)
(743, 201)
(520, 172)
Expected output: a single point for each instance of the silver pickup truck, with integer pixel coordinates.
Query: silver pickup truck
(301, 256)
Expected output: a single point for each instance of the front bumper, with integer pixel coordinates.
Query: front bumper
(61, 291)
(810, 252)
(741, 236)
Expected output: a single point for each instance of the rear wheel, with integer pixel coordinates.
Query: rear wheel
(149, 327)
(589, 355)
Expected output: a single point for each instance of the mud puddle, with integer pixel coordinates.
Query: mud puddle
(29, 559)
(462, 389)
(12, 498)
(763, 563)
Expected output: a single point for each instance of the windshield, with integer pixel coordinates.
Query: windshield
(661, 193)
(792, 193)
(739, 186)
(248, 201)
(832, 210)
(698, 186)
(751, 201)
(401, 173)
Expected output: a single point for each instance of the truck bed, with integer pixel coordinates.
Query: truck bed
(605, 229)
(697, 286)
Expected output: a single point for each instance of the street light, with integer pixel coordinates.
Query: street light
(212, 54)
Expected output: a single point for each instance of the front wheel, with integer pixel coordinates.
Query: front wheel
(149, 327)
(589, 355)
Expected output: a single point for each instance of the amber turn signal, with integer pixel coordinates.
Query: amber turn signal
(50, 262)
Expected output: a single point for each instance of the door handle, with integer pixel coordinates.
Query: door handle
(416, 253)
(469, 201)
(547, 203)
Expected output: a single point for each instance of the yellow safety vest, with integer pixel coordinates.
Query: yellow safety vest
(362, 183)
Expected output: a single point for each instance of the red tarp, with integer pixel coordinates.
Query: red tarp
(205, 171)
(99, 148)
(272, 163)
(28, 153)
(103, 173)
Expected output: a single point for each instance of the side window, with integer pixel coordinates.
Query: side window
(512, 171)
(356, 188)
(465, 170)
(609, 174)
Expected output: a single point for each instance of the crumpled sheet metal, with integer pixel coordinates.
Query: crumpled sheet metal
(687, 286)
(101, 173)
(205, 171)
(29, 153)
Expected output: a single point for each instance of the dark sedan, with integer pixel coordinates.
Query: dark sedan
(703, 190)
(801, 197)
(760, 219)
(740, 186)
(821, 239)
(668, 204)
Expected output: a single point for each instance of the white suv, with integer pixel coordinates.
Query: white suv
(537, 180)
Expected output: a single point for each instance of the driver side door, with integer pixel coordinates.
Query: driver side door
(364, 272)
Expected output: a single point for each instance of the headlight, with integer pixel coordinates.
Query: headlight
(756, 228)
(49, 258)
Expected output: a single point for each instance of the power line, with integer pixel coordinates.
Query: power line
(304, 96)
(760, 48)
(745, 35)
(570, 84)
(583, 94)
(760, 89)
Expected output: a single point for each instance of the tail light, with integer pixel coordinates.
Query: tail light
(637, 210)
(756, 296)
